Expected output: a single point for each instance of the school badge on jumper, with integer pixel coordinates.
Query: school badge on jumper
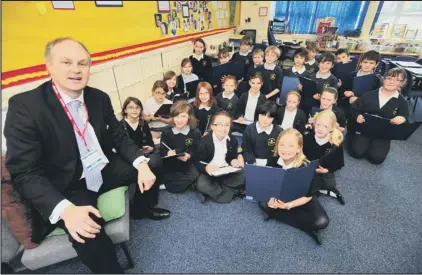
(189, 142)
(229, 106)
(246, 61)
(271, 142)
(326, 85)
(204, 63)
(272, 76)
(395, 111)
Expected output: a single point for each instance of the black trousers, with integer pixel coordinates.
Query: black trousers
(99, 253)
(179, 181)
(221, 189)
(308, 217)
(325, 181)
(375, 150)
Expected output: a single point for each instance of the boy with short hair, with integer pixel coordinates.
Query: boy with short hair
(243, 55)
(312, 64)
(274, 74)
(342, 56)
(223, 56)
(299, 58)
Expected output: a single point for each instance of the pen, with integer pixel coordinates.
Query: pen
(166, 146)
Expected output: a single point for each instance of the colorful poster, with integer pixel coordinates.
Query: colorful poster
(379, 30)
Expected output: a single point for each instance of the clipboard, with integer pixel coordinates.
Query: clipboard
(264, 183)
(341, 71)
(191, 88)
(164, 111)
(225, 171)
(309, 86)
(315, 110)
(231, 68)
(175, 156)
(376, 127)
(363, 84)
(334, 159)
(289, 83)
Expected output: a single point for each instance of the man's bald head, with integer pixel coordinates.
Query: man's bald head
(50, 45)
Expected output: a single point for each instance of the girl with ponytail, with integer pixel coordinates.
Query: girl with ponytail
(325, 144)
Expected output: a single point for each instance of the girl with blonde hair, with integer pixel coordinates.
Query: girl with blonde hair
(325, 144)
(304, 213)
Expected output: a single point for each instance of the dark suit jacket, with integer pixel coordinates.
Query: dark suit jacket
(42, 151)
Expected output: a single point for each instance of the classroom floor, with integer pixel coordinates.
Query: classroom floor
(377, 231)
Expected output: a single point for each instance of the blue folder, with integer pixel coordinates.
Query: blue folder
(231, 68)
(376, 127)
(191, 88)
(363, 84)
(315, 110)
(341, 70)
(264, 183)
(309, 86)
(289, 83)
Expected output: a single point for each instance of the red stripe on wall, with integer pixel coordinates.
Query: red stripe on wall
(41, 68)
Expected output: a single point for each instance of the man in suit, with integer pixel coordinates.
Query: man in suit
(60, 138)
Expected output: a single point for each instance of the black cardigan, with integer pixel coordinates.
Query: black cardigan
(242, 102)
(298, 123)
(202, 68)
(141, 137)
(206, 150)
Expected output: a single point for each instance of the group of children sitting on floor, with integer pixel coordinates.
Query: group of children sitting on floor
(197, 138)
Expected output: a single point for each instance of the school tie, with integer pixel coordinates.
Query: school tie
(93, 177)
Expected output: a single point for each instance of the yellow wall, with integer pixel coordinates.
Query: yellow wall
(34, 23)
(251, 8)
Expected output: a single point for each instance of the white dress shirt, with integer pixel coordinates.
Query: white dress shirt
(301, 70)
(220, 151)
(383, 99)
(91, 139)
(151, 107)
(292, 164)
(251, 106)
(288, 119)
(267, 131)
(134, 126)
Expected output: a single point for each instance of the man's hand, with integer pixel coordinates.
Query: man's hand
(211, 168)
(349, 93)
(360, 119)
(398, 120)
(147, 149)
(145, 177)
(184, 158)
(77, 221)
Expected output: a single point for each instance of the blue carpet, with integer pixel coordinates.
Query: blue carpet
(377, 231)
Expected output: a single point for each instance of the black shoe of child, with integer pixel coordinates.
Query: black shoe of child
(339, 196)
(201, 197)
(314, 235)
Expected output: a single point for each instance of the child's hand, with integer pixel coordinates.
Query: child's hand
(171, 153)
(360, 119)
(398, 120)
(147, 149)
(184, 158)
(321, 170)
(241, 119)
(299, 86)
(353, 99)
(222, 78)
(237, 163)
(311, 120)
(211, 168)
(317, 96)
(154, 118)
(349, 93)
(240, 80)
(272, 203)
(339, 83)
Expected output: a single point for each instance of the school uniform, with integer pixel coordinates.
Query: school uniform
(376, 150)
(343, 101)
(292, 72)
(312, 67)
(182, 80)
(204, 114)
(246, 59)
(202, 67)
(227, 103)
(211, 150)
(150, 108)
(275, 75)
(179, 175)
(246, 107)
(295, 119)
(174, 94)
(308, 101)
(309, 217)
(257, 143)
(315, 148)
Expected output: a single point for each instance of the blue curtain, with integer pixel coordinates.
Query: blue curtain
(302, 15)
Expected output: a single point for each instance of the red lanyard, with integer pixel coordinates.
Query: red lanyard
(69, 115)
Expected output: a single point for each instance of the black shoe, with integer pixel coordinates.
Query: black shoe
(201, 197)
(152, 214)
(314, 236)
(240, 194)
(339, 196)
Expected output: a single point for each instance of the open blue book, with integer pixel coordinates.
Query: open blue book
(264, 183)
(377, 127)
(289, 83)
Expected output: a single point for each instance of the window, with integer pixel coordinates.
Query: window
(401, 12)
(302, 15)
